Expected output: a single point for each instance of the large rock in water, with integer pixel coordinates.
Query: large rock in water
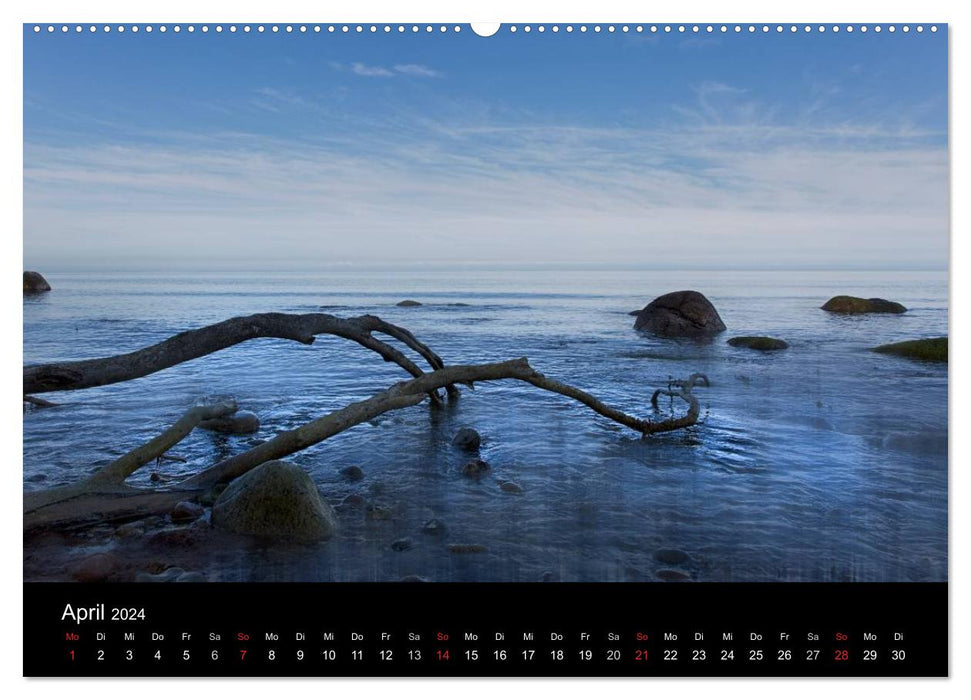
(856, 305)
(680, 314)
(34, 283)
(276, 500)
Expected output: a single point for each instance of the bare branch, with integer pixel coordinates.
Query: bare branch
(190, 345)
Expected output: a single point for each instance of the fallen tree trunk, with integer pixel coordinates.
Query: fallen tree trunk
(190, 345)
(105, 498)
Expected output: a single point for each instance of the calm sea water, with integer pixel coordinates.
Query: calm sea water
(823, 462)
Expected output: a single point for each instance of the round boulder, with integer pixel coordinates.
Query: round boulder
(276, 500)
(856, 305)
(240, 423)
(758, 342)
(685, 314)
(34, 283)
(409, 302)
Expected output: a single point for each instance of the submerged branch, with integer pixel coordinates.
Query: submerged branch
(124, 466)
(412, 392)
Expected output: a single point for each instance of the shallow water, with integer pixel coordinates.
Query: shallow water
(822, 462)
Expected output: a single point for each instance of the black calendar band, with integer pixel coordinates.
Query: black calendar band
(480, 629)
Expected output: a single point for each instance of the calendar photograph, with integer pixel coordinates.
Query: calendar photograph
(381, 304)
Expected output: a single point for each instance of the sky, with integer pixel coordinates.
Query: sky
(820, 150)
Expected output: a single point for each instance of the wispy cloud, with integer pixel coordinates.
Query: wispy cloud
(370, 71)
(417, 70)
(414, 70)
(699, 191)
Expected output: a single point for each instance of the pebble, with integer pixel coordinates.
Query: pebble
(129, 530)
(375, 512)
(352, 473)
(402, 544)
(96, 567)
(671, 557)
(178, 538)
(186, 512)
(434, 527)
(476, 468)
(354, 500)
(467, 548)
(510, 487)
(670, 575)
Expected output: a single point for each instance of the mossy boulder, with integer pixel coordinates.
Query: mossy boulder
(758, 342)
(926, 349)
(685, 314)
(857, 305)
(34, 283)
(276, 500)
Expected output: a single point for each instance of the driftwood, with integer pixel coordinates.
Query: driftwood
(105, 497)
(190, 345)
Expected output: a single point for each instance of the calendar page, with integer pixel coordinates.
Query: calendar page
(541, 349)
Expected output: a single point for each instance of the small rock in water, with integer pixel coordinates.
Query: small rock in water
(129, 530)
(434, 527)
(413, 578)
(758, 342)
(376, 512)
(671, 575)
(97, 567)
(408, 303)
(467, 439)
(402, 544)
(354, 500)
(671, 557)
(186, 512)
(352, 473)
(37, 477)
(547, 577)
(476, 468)
(467, 548)
(240, 423)
(510, 487)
